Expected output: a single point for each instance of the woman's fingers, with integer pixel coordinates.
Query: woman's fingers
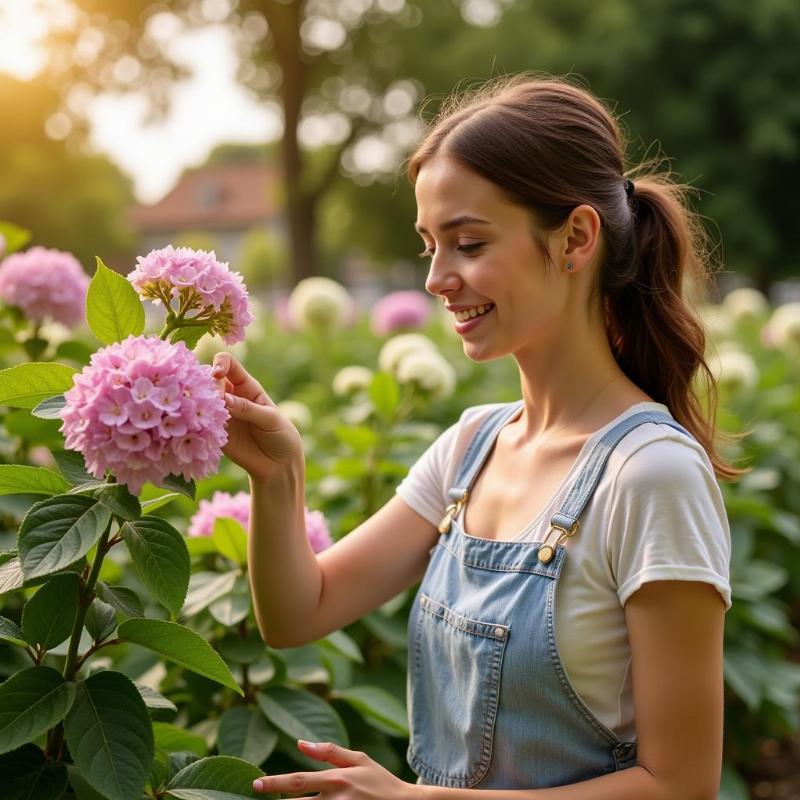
(232, 377)
(296, 782)
(260, 415)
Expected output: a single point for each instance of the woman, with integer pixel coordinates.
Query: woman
(572, 547)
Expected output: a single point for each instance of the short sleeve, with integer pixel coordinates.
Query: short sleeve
(667, 519)
(423, 487)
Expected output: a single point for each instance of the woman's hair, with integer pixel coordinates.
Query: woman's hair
(550, 146)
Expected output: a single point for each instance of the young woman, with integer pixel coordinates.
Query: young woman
(572, 547)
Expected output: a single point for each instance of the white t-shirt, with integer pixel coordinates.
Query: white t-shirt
(657, 514)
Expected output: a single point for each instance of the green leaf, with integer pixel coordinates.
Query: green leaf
(233, 607)
(49, 615)
(172, 739)
(123, 599)
(72, 466)
(302, 715)
(385, 394)
(744, 673)
(26, 385)
(101, 620)
(15, 479)
(113, 309)
(245, 733)
(189, 334)
(242, 649)
(200, 546)
(230, 538)
(109, 735)
(378, 707)
(32, 702)
(50, 408)
(28, 775)
(340, 642)
(157, 502)
(74, 350)
(161, 559)
(177, 483)
(11, 576)
(361, 438)
(81, 788)
(205, 588)
(119, 501)
(16, 237)
(11, 632)
(222, 778)
(152, 699)
(56, 532)
(180, 645)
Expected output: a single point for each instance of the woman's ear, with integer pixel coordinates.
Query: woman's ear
(581, 235)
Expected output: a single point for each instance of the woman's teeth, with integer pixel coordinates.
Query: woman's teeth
(469, 313)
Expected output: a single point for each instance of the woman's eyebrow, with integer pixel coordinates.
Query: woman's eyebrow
(454, 223)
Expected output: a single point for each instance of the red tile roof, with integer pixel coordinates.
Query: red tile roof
(219, 196)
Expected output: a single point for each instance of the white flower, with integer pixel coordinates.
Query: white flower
(299, 414)
(321, 303)
(746, 303)
(209, 346)
(717, 322)
(430, 370)
(784, 325)
(734, 369)
(351, 379)
(399, 346)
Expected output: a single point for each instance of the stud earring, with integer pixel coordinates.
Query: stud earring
(570, 265)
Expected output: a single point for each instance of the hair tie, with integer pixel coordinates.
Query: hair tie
(629, 186)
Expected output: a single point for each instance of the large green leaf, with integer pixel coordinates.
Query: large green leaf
(15, 479)
(302, 715)
(160, 556)
(72, 466)
(205, 588)
(119, 501)
(49, 615)
(230, 538)
(26, 385)
(113, 309)
(172, 739)
(109, 735)
(27, 775)
(101, 620)
(11, 632)
(180, 645)
(31, 702)
(245, 733)
(215, 778)
(378, 707)
(56, 532)
(233, 607)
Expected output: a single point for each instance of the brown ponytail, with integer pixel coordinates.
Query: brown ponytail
(550, 146)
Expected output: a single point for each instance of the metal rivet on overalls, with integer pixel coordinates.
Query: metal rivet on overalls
(500, 632)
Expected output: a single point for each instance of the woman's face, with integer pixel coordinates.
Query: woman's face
(483, 252)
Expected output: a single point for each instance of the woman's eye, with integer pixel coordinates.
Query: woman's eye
(464, 248)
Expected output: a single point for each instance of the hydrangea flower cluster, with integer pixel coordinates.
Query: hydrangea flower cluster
(196, 281)
(145, 408)
(414, 358)
(44, 284)
(405, 309)
(237, 506)
(320, 303)
(221, 504)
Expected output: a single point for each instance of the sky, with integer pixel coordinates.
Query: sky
(207, 109)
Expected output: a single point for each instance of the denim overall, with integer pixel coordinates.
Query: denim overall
(490, 705)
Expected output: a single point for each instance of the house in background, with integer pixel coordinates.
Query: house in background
(221, 202)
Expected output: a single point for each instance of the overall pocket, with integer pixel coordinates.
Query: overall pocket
(454, 688)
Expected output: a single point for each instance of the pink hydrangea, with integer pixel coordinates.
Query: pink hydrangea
(45, 283)
(406, 309)
(237, 506)
(198, 282)
(145, 408)
(222, 504)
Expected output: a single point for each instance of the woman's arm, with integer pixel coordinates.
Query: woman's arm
(675, 630)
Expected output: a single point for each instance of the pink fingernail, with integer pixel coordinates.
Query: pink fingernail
(258, 785)
(228, 400)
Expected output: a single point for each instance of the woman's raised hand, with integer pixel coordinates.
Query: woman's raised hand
(260, 438)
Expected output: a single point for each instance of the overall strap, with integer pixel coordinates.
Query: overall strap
(566, 519)
(474, 456)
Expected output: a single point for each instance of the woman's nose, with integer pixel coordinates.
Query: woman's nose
(440, 276)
